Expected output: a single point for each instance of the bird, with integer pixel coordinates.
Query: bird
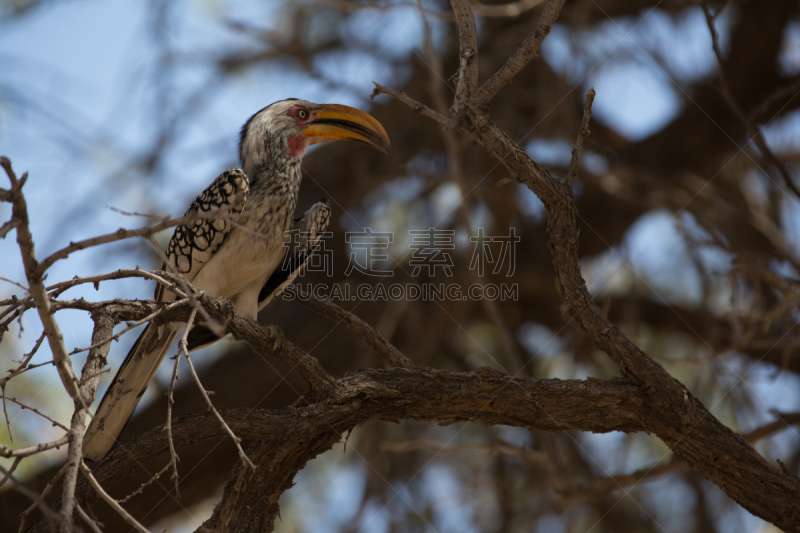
(244, 253)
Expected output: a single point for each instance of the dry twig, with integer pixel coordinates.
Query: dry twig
(185, 350)
(736, 109)
(111, 501)
(582, 134)
(527, 51)
(370, 335)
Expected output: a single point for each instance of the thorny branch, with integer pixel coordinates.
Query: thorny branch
(694, 434)
(109, 500)
(173, 456)
(185, 351)
(34, 275)
(648, 400)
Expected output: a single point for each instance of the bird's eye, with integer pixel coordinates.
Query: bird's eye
(302, 114)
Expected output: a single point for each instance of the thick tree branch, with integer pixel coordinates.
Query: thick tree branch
(696, 436)
(294, 435)
(90, 377)
(38, 292)
(467, 76)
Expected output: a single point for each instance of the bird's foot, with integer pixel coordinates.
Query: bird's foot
(276, 333)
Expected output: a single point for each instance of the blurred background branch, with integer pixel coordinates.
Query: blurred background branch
(688, 244)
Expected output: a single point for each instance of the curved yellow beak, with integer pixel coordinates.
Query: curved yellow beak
(334, 122)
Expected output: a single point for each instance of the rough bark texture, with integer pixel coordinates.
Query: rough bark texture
(663, 171)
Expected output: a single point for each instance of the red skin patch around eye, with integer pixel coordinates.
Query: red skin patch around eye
(297, 143)
(293, 113)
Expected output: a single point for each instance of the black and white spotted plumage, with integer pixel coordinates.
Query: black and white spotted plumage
(310, 229)
(191, 246)
(242, 254)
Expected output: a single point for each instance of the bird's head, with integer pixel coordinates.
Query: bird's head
(283, 131)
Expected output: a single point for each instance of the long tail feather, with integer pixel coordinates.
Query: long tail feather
(129, 384)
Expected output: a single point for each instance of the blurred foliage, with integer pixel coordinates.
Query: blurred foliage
(690, 240)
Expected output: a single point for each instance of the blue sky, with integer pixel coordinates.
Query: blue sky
(76, 102)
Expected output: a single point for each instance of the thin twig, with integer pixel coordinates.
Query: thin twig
(370, 335)
(527, 51)
(24, 406)
(111, 501)
(582, 134)
(38, 501)
(170, 402)
(167, 279)
(11, 281)
(420, 108)
(32, 367)
(23, 517)
(7, 475)
(89, 520)
(730, 100)
(185, 350)
(149, 482)
(122, 234)
(24, 360)
(5, 411)
(32, 450)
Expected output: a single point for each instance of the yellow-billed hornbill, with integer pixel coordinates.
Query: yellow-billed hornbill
(242, 255)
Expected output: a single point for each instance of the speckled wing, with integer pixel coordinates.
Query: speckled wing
(193, 245)
(189, 249)
(311, 228)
